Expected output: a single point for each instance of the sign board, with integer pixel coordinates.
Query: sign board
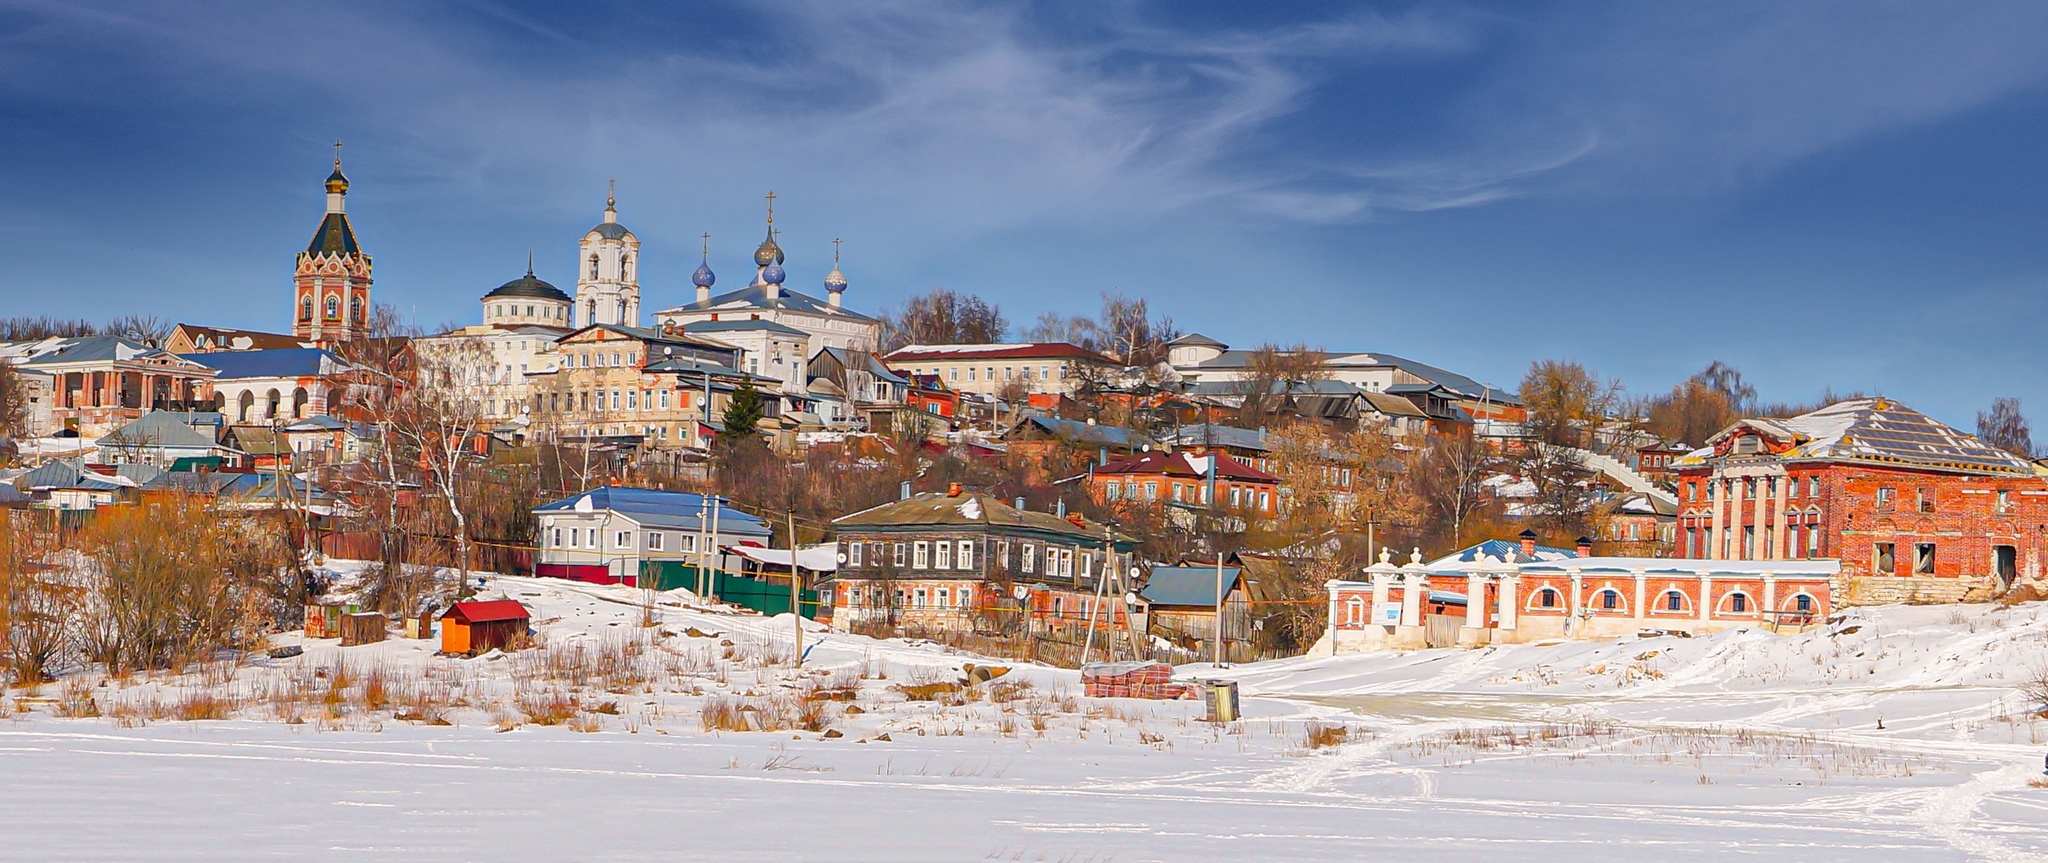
(1388, 616)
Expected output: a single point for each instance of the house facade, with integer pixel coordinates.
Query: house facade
(1913, 509)
(614, 534)
(965, 561)
(1199, 359)
(1040, 368)
(100, 383)
(1510, 596)
(625, 382)
(1161, 478)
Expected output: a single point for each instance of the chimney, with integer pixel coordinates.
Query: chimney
(1059, 508)
(953, 490)
(1528, 538)
(906, 491)
(1020, 503)
(1585, 546)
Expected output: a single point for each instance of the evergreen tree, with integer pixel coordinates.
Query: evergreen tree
(743, 413)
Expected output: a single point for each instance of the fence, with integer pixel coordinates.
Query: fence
(766, 597)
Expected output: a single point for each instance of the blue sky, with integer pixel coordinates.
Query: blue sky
(1822, 194)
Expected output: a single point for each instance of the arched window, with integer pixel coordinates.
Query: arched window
(333, 307)
(1803, 603)
(593, 266)
(1674, 600)
(1738, 602)
(306, 309)
(626, 268)
(1610, 600)
(1545, 598)
(356, 309)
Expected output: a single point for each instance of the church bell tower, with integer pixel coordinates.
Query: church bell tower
(331, 287)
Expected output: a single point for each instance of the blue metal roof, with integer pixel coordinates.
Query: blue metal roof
(1186, 585)
(1095, 434)
(669, 506)
(273, 363)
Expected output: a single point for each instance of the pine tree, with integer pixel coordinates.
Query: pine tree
(743, 413)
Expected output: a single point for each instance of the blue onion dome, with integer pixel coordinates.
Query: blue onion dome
(772, 274)
(835, 281)
(703, 277)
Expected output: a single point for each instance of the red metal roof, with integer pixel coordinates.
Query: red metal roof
(487, 611)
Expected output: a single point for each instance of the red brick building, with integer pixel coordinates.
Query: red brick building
(1182, 477)
(1915, 510)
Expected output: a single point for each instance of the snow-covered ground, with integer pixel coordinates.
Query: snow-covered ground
(1741, 744)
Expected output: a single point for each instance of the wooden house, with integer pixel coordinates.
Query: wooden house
(470, 628)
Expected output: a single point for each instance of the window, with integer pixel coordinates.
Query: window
(945, 556)
(953, 374)
(1265, 501)
(1749, 444)
(920, 598)
(965, 558)
(1026, 557)
(1610, 600)
(1924, 497)
(575, 537)
(1235, 497)
(1114, 491)
(2004, 501)
(1885, 497)
(1087, 562)
(1003, 553)
(1044, 372)
(1738, 603)
(898, 556)
(558, 537)
(1749, 549)
(1151, 491)
(654, 540)
(1354, 611)
(1674, 601)
(853, 554)
(1546, 598)
(1923, 558)
(1883, 558)
(970, 373)
(921, 555)
(1803, 604)
(1813, 486)
(1813, 540)
(624, 539)
(966, 596)
(632, 400)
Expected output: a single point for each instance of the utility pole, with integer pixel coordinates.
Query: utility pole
(1095, 608)
(1216, 547)
(796, 594)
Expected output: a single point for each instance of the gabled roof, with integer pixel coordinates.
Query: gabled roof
(100, 349)
(69, 474)
(1081, 432)
(1497, 551)
(487, 611)
(225, 339)
(1181, 464)
(756, 297)
(1881, 431)
(1196, 340)
(742, 326)
(167, 429)
(967, 353)
(1457, 384)
(273, 363)
(969, 508)
(1187, 585)
(654, 506)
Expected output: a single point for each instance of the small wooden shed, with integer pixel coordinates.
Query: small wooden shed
(470, 628)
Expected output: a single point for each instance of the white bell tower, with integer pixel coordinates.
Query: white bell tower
(608, 273)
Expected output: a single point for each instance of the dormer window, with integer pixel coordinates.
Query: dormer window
(1749, 444)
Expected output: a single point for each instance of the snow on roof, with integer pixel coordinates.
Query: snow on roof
(816, 558)
(1689, 566)
(1875, 430)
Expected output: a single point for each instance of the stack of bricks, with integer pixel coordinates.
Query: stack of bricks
(1153, 680)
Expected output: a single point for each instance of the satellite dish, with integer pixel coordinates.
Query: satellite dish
(842, 557)
(1131, 598)
(1135, 572)
(1020, 591)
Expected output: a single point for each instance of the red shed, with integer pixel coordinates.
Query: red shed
(470, 628)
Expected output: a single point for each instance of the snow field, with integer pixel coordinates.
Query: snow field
(612, 741)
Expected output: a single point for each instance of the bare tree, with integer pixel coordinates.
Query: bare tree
(1449, 481)
(943, 317)
(442, 425)
(1130, 334)
(1691, 413)
(1072, 329)
(147, 329)
(1273, 375)
(22, 329)
(14, 413)
(1724, 379)
(373, 487)
(2003, 426)
(1566, 402)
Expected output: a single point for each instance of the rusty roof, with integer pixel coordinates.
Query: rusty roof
(970, 508)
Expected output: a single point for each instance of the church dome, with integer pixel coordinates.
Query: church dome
(835, 281)
(611, 231)
(769, 253)
(336, 183)
(528, 287)
(772, 274)
(703, 277)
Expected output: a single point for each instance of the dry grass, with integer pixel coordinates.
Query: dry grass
(75, 700)
(1321, 735)
(772, 713)
(546, 707)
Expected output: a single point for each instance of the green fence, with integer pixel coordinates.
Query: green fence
(763, 596)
